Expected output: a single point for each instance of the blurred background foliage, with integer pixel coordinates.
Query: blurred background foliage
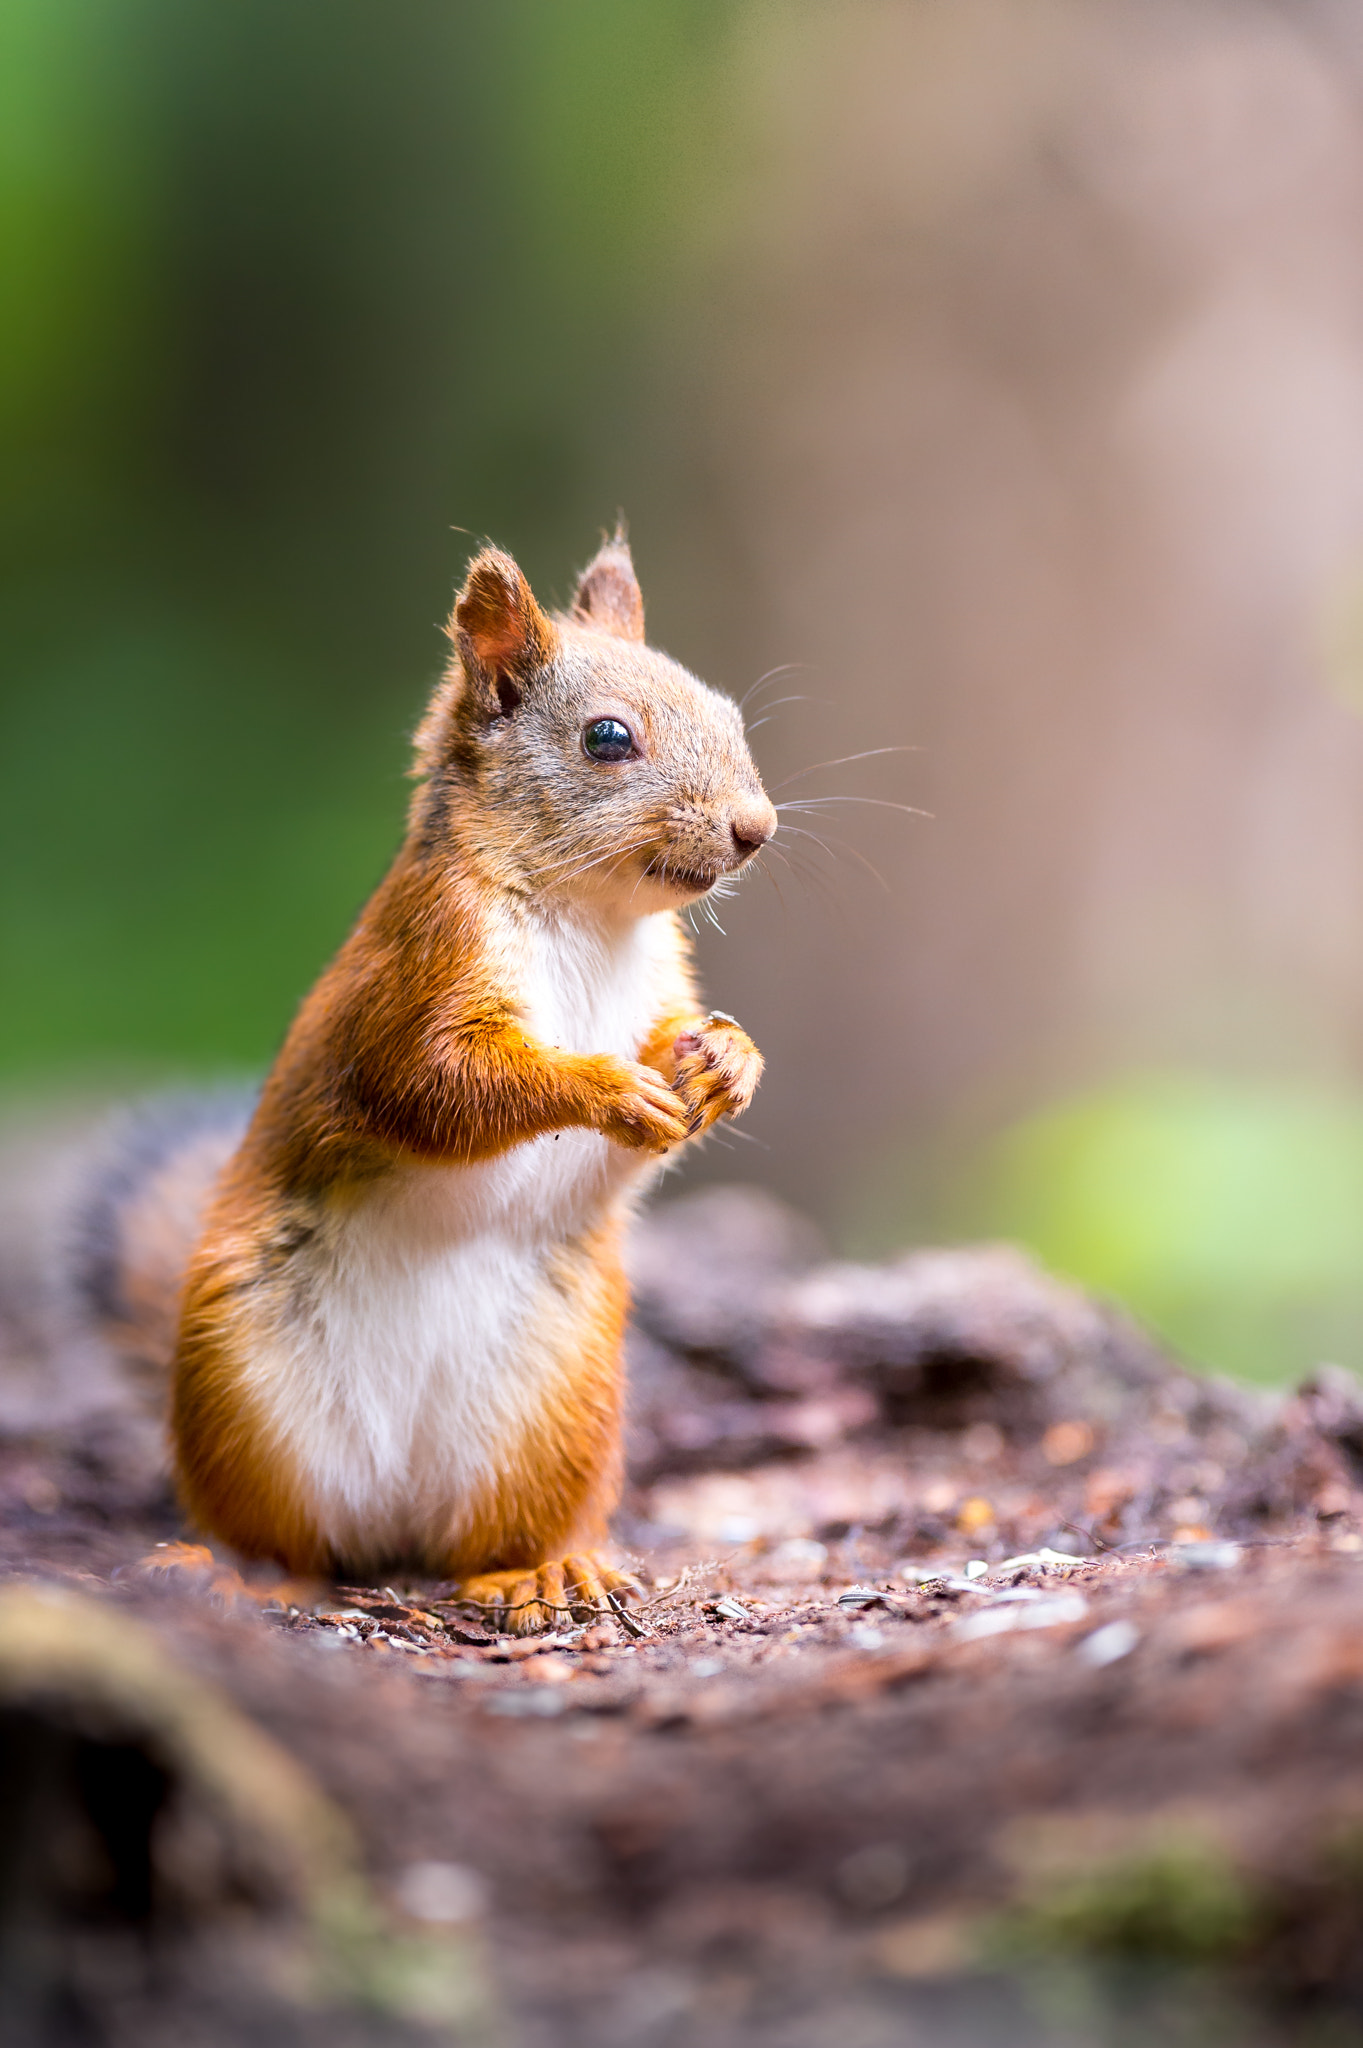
(1000, 369)
(1230, 1214)
(293, 293)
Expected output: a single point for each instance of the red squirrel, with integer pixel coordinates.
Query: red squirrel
(400, 1331)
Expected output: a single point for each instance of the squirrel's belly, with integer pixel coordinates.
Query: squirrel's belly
(425, 1336)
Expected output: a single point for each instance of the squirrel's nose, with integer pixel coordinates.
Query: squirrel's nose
(751, 824)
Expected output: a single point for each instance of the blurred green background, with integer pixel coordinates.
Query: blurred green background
(1000, 369)
(293, 292)
(1229, 1214)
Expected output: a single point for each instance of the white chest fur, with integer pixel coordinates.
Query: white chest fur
(589, 987)
(404, 1367)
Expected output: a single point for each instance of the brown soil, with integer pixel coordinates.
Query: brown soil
(832, 1782)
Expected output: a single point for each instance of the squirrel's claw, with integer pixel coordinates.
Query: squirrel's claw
(717, 1070)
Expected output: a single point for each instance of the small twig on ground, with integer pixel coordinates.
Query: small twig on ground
(626, 1620)
(686, 1577)
(1099, 1543)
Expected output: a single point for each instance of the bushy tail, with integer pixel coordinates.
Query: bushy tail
(140, 1217)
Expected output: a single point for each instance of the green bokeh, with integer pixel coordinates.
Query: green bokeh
(1227, 1214)
(292, 293)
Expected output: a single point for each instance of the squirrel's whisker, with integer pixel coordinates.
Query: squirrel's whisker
(770, 710)
(731, 1132)
(803, 870)
(856, 854)
(845, 761)
(784, 668)
(810, 803)
(766, 872)
(613, 854)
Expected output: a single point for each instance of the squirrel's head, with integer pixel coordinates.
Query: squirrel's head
(581, 764)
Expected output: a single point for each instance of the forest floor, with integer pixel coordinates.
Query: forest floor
(995, 1680)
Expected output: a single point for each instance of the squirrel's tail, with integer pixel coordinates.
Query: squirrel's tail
(134, 1230)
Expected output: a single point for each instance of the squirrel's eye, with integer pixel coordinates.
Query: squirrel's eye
(607, 740)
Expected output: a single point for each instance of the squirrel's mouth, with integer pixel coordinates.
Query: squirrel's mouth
(695, 881)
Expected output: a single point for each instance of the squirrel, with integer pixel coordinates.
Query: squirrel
(400, 1331)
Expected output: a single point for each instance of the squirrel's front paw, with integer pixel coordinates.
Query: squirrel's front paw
(642, 1112)
(717, 1072)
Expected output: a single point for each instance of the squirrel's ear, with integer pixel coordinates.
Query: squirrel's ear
(500, 631)
(608, 594)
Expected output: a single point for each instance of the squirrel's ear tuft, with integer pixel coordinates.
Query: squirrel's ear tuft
(500, 631)
(608, 594)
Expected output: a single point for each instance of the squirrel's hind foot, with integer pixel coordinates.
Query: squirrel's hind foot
(193, 1569)
(523, 1603)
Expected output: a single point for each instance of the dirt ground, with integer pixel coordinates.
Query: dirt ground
(994, 1681)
